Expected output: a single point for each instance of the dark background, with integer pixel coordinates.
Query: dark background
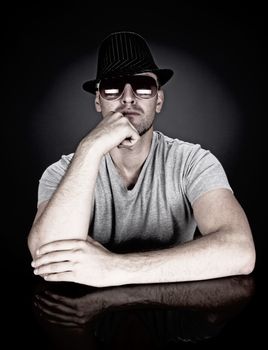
(215, 98)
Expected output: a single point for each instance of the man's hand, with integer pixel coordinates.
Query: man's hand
(67, 215)
(86, 262)
(68, 311)
(114, 130)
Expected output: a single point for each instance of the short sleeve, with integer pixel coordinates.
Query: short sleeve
(204, 173)
(51, 178)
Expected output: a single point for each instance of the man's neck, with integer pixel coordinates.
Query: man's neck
(130, 161)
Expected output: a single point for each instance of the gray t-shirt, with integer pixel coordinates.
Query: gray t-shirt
(157, 211)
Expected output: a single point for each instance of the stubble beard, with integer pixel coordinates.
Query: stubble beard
(144, 126)
(144, 129)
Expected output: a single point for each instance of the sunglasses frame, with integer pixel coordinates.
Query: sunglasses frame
(127, 82)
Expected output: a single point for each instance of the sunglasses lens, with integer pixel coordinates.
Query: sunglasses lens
(144, 87)
(111, 89)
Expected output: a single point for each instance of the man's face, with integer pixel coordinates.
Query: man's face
(140, 111)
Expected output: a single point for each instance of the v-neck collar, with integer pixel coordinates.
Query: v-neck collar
(118, 178)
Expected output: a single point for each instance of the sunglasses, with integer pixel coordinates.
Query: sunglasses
(143, 87)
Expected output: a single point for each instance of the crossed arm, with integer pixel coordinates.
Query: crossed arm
(225, 248)
(62, 250)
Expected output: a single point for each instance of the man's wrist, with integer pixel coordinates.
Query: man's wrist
(91, 148)
(117, 274)
(123, 269)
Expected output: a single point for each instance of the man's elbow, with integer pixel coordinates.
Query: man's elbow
(249, 259)
(32, 243)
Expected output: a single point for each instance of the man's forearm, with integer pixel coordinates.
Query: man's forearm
(68, 213)
(201, 294)
(214, 255)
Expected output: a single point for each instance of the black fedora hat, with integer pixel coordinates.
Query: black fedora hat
(125, 53)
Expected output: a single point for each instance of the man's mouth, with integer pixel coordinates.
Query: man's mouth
(130, 113)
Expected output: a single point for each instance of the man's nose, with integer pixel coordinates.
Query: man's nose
(128, 95)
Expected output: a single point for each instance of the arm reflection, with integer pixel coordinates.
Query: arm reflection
(159, 313)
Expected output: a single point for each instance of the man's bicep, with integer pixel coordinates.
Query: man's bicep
(218, 209)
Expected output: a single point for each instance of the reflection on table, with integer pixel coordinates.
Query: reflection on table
(139, 316)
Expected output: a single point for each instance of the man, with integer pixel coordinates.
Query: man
(128, 189)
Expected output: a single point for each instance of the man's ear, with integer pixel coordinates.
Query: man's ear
(97, 102)
(160, 101)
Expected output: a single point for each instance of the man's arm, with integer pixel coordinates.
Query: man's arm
(224, 294)
(67, 215)
(226, 248)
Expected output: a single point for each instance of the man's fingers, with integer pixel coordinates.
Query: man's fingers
(57, 256)
(66, 276)
(113, 114)
(130, 140)
(65, 266)
(127, 143)
(59, 314)
(68, 302)
(58, 305)
(65, 244)
(51, 310)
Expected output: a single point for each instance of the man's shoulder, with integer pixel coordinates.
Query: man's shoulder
(63, 161)
(176, 143)
(60, 166)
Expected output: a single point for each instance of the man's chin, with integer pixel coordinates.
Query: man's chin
(144, 131)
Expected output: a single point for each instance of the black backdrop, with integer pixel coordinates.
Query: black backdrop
(216, 97)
